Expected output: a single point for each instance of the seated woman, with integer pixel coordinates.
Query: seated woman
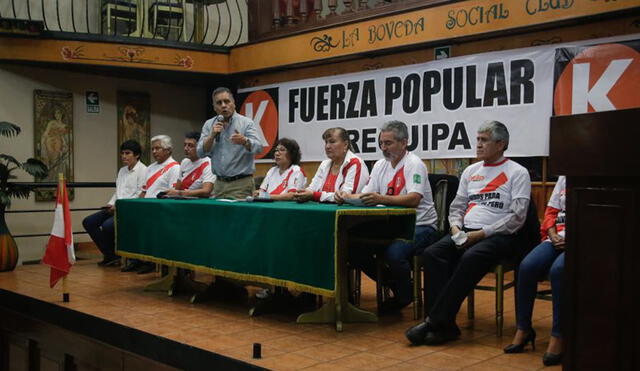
(286, 177)
(546, 258)
(342, 171)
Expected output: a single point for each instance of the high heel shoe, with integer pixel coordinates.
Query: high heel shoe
(551, 359)
(519, 348)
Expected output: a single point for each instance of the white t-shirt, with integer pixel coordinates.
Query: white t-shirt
(490, 190)
(413, 178)
(168, 176)
(129, 182)
(558, 201)
(198, 172)
(352, 177)
(290, 180)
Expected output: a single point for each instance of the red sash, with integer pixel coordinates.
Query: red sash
(193, 176)
(158, 174)
(330, 183)
(283, 186)
(354, 162)
(397, 183)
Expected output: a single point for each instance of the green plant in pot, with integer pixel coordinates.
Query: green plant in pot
(8, 190)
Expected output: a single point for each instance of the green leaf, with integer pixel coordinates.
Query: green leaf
(18, 190)
(10, 159)
(4, 172)
(4, 199)
(8, 129)
(35, 167)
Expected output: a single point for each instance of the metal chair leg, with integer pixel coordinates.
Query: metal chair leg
(417, 287)
(499, 299)
(357, 286)
(379, 286)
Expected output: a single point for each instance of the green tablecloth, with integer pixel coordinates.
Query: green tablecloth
(281, 243)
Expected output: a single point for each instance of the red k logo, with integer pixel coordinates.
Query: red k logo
(600, 78)
(260, 107)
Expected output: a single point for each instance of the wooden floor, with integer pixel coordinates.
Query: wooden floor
(226, 328)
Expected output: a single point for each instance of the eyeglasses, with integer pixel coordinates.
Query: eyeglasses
(281, 149)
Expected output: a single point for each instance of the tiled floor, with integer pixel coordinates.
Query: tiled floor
(227, 329)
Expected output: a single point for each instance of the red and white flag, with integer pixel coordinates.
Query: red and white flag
(60, 255)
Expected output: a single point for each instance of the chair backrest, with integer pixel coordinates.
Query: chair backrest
(440, 203)
(443, 188)
(528, 236)
(257, 181)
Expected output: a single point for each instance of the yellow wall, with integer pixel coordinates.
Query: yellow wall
(174, 110)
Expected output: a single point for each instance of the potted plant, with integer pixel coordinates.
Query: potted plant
(8, 190)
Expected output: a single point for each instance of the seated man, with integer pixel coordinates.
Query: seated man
(161, 176)
(399, 179)
(490, 206)
(196, 179)
(128, 185)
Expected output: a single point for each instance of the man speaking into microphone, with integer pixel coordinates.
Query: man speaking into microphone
(232, 141)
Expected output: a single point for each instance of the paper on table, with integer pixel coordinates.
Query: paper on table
(354, 201)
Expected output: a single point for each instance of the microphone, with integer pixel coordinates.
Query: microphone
(217, 119)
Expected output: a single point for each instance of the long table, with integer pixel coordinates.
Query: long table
(298, 246)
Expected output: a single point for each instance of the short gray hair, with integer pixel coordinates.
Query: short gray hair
(165, 141)
(497, 130)
(220, 90)
(399, 128)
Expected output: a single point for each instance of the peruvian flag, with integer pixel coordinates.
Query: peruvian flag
(60, 255)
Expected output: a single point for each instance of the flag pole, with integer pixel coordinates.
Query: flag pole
(65, 286)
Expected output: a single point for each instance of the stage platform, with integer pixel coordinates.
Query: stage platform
(109, 309)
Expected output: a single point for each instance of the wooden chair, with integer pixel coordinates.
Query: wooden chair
(443, 188)
(119, 16)
(166, 19)
(526, 239)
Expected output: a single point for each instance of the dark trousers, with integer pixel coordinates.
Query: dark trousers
(542, 260)
(451, 273)
(398, 257)
(101, 229)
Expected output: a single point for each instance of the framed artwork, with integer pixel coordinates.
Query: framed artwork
(134, 122)
(53, 138)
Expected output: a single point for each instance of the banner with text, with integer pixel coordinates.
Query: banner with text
(442, 102)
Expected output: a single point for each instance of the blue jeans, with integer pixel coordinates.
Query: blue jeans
(398, 258)
(101, 229)
(543, 259)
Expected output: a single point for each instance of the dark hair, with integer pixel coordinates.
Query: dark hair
(193, 135)
(292, 148)
(222, 89)
(342, 133)
(131, 145)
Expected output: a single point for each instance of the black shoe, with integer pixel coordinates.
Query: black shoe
(131, 266)
(417, 333)
(111, 262)
(439, 335)
(146, 268)
(551, 359)
(519, 348)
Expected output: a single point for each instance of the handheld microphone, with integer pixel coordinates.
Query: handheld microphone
(217, 119)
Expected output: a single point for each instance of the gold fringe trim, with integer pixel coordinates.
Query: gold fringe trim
(229, 274)
(375, 211)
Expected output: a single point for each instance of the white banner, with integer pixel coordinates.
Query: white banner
(442, 102)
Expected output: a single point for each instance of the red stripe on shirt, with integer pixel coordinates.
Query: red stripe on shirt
(495, 183)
